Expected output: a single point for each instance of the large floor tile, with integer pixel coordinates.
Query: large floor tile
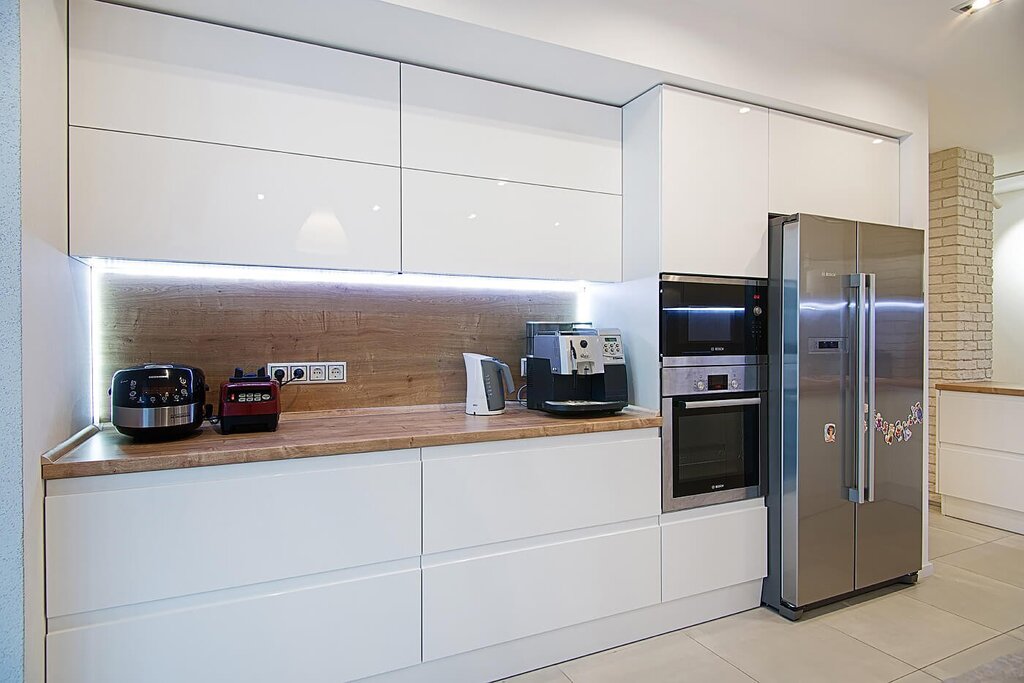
(938, 520)
(1002, 560)
(917, 677)
(552, 674)
(984, 653)
(989, 602)
(1018, 633)
(942, 542)
(673, 657)
(910, 630)
(769, 649)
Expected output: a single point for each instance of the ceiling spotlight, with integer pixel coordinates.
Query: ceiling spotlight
(744, 110)
(973, 6)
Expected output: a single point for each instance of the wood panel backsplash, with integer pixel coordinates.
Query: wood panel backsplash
(403, 344)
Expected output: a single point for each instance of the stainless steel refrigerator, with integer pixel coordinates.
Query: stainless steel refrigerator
(846, 418)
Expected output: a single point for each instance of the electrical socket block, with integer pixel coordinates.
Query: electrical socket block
(314, 372)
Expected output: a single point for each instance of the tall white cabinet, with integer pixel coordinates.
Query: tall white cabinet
(695, 186)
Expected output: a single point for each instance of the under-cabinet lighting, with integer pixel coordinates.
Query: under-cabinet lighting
(973, 6)
(876, 141)
(744, 110)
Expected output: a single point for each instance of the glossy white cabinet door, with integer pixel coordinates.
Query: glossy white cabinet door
(319, 633)
(458, 225)
(475, 494)
(480, 601)
(829, 170)
(714, 185)
(469, 126)
(240, 525)
(714, 547)
(142, 197)
(145, 72)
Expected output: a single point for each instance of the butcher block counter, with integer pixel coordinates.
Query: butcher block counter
(302, 435)
(986, 387)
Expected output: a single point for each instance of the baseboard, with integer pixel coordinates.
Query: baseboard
(989, 515)
(544, 649)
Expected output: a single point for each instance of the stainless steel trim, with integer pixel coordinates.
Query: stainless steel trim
(858, 282)
(868, 428)
(679, 381)
(163, 416)
(667, 456)
(707, 279)
(713, 498)
(692, 361)
(698, 405)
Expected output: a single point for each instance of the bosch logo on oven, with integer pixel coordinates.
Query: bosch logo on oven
(715, 487)
(717, 348)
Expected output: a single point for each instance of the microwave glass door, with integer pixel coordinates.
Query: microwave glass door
(709, 318)
(715, 445)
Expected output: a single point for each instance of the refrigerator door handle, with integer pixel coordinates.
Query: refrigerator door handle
(858, 283)
(869, 432)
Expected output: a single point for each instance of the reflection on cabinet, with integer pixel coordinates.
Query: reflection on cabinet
(493, 598)
(714, 547)
(695, 187)
(472, 226)
(144, 72)
(142, 197)
(469, 126)
(476, 494)
(168, 534)
(329, 631)
(829, 170)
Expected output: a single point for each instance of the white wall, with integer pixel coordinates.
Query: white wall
(55, 290)
(1008, 289)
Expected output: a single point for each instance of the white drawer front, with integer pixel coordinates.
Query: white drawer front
(119, 547)
(979, 420)
(491, 599)
(318, 634)
(470, 226)
(469, 126)
(508, 490)
(706, 552)
(145, 72)
(141, 197)
(991, 477)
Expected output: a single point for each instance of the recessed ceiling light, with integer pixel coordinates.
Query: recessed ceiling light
(501, 183)
(376, 207)
(876, 141)
(259, 195)
(744, 110)
(972, 6)
(471, 216)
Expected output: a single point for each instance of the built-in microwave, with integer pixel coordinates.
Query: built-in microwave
(717, 317)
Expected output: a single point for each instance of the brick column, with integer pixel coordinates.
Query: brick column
(959, 275)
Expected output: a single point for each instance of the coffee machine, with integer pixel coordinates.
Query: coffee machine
(573, 369)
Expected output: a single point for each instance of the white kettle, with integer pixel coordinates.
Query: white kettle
(487, 382)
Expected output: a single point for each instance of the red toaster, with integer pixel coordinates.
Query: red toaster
(249, 402)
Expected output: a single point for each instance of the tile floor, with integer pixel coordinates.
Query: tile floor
(969, 612)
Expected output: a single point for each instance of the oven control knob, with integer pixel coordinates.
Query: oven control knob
(758, 310)
(734, 384)
(700, 386)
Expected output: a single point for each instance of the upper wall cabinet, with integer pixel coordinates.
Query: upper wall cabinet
(144, 197)
(830, 170)
(468, 126)
(143, 72)
(695, 186)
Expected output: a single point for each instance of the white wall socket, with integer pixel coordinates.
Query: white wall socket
(313, 372)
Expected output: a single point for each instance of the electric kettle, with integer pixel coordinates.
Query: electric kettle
(487, 382)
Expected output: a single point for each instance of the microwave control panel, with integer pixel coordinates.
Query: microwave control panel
(612, 349)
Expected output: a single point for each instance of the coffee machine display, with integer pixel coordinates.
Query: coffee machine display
(575, 370)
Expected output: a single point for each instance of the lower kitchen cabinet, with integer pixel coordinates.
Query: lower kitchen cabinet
(328, 631)
(473, 601)
(714, 547)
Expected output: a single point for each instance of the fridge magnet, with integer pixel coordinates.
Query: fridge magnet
(907, 434)
(830, 433)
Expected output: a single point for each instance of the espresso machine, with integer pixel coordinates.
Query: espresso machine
(575, 370)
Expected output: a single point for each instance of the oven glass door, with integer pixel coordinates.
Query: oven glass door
(715, 443)
(713, 318)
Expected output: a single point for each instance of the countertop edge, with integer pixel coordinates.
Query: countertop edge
(54, 469)
(981, 388)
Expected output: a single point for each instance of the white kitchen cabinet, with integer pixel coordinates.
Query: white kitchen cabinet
(331, 630)
(468, 126)
(714, 547)
(131, 538)
(475, 494)
(143, 197)
(695, 185)
(457, 225)
(714, 211)
(471, 602)
(825, 169)
(145, 72)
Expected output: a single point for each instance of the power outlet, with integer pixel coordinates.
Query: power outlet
(313, 372)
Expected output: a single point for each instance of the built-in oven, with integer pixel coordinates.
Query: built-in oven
(713, 434)
(705, 318)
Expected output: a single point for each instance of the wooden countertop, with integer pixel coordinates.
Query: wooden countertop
(302, 435)
(987, 387)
